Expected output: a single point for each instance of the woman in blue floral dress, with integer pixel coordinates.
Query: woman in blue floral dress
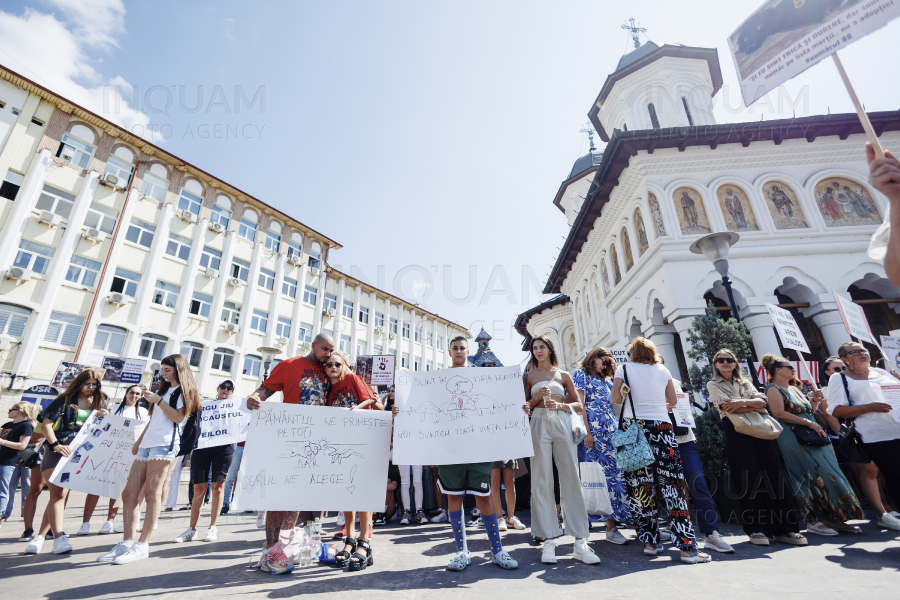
(594, 382)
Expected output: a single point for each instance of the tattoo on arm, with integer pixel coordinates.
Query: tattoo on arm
(264, 392)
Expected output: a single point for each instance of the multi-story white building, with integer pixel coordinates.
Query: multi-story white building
(111, 246)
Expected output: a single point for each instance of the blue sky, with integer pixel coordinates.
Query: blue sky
(420, 135)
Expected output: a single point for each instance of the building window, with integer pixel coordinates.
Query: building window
(294, 249)
(101, 217)
(379, 319)
(193, 352)
(330, 301)
(417, 364)
(221, 216)
(344, 344)
(247, 230)
(240, 269)
(654, 121)
(63, 329)
(201, 304)
(687, 111)
(429, 366)
(222, 359)
(140, 232)
(33, 256)
(273, 241)
(363, 315)
(166, 294)
(11, 184)
(259, 321)
(56, 201)
(266, 279)
(393, 324)
(440, 366)
(289, 287)
(83, 271)
(125, 282)
(379, 350)
(210, 257)
(429, 338)
(315, 259)
(189, 202)
(179, 246)
(440, 343)
(406, 331)
(418, 334)
(120, 169)
(152, 346)
(110, 339)
(82, 152)
(310, 295)
(231, 312)
(252, 365)
(13, 320)
(392, 351)
(305, 333)
(404, 360)
(347, 309)
(154, 187)
(283, 327)
(360, 349)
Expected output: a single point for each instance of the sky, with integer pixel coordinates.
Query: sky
(428, 139)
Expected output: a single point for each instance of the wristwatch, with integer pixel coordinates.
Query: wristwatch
(54, 444)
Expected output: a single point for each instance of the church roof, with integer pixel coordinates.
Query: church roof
(482, 358)
(483, 335)
(591, 159)
(636, 54)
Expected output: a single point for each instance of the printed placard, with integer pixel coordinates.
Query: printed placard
(300, 457)
(891, 394)
(684, 416)
(223, 422)
(620, 353)
(65, 373)
(854, 319)
(123, 370)
(891, 348)
(376, 369)
(788, 330)
(464, 415)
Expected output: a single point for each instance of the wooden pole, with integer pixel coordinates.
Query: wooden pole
(812, 381)
(863, 117)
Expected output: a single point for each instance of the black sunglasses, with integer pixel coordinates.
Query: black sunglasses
(787, 366)
(836, 369)
(725, 359)
(226, 387)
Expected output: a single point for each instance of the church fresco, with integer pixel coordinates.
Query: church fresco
(783, 205)
(690, 211)
(736, 208)
(614, 258)
(643, 242)
(843, 203)
(626, 245)
(604, 275)
(656, 213)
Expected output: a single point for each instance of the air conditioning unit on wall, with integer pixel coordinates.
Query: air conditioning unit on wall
(294, 260)
(328, 312)
(231, 328)
(211, 273)
(117, 298)
(93, 234)
(188, 216)
(235, 282)
(18, 273)
(314, 271)
(217, 227)
(49, 218)
(113, 181)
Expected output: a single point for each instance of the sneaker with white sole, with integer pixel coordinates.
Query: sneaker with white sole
(441, 517)
(889, 521)
(37, 542)
(117, 551)
(821, 529)
(275, 561)
(340, 519)
(515, 523)
(119, 529)
(261, 519)
(548, 552)
(616, 537)
(212, 534)
(715, 541)
(501, 525)
(459, 562)
(475, 522)
(406, 518)
(106, 528)
(61, 545)
(85, 529)
(584, 553)
(188, 535)
(421, 518)
(504, 561)
(27, 535)
(137, 552)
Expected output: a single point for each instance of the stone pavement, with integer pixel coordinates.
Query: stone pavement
(410, 560)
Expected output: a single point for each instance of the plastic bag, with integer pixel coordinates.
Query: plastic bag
(594, 490)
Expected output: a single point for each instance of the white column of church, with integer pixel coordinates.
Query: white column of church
(576, 318)
(683, 327)
(274, 304)
(585, 315)
(664, 338)
(250, 296)
(20, 211)
(763, 331)
(354, 321)
(370, 334)
(832, 327)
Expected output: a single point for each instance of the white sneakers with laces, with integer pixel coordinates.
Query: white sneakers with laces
(889, 521)
(548, 552)
(85, 528)
(515, 523)
(61, 545)
(715, 541)
(404, 520)
(34, 547)
(117, 551)
(614, 536)
(106, 528)
(137, 552)
(441, 517)
(188, 535)
(584, 553)
(821, 529)
(212, 534)
(501, 524)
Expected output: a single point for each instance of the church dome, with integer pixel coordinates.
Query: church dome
(591, 159)
(636, 55)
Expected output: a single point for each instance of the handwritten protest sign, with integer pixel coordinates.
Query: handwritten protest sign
(684, 416)
(854, 319)
(223, 422)
(376, 370)
(788, 330)
(101, 456)
(302, 457)
(891, 347)
(464, 415)
(620, 354)
(785, 37)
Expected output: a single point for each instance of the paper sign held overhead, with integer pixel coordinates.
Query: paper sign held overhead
(788, 330)
(376, 370)
(854, 319)
(620, 354)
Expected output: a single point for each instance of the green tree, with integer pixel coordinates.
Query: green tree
(708, 335)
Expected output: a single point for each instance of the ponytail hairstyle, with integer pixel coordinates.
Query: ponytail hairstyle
(74, 388)
(185, 378)
(769, 361)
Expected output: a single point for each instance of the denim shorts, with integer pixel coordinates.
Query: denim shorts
(157, 453)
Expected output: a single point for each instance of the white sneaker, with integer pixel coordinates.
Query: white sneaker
(340, 519)
(441, 517)
(261, 519)
(137, 552)
(403, 521)
(118, 529)
(84, 529)
(117, 551)
(188, 535)
(616, 537)
(61, 545)
(548, 552)
(37, 542)
(501, 524)
(106, 528)
(212, 534)
(890, 521)
(515, 523)
(715, 541)
(820, 529)
(584, 553)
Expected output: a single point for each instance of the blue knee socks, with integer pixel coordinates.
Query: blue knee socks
(493, 531)
(459, 530)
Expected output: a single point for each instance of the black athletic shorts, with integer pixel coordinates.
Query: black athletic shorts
(219, 458)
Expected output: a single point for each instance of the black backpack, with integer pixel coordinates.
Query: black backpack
(190, 435)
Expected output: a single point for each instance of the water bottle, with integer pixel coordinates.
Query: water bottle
(304, 547)
(316, 542)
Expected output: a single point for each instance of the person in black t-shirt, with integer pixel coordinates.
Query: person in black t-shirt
(14, 437)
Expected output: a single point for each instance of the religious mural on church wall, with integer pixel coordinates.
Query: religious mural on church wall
(843, 203)
(614, 259)
(783, 205)
(656, 213)
(691, 214)
(626, 246)
(643, 242)
(604, 275)
(736, 208)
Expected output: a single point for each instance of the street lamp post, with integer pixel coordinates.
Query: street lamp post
(268, 354)
(715, 247)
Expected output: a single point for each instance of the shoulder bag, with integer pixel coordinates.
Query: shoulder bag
(576, 424)
(633, 451)
(754, 424)
(849, 444)
(804, 434)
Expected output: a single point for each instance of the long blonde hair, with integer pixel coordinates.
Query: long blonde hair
(736, 374)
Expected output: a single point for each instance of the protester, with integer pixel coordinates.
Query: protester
(217, 458)
(21, 475)
(549, 391)
(504, 472)
(871, 414)
(884, 175)
(441, 516)
(594, 383)
(652, 395)
(35, 484)
(405, 479)
(474, 478)
(155, 453)
(14, 438)
(231, 478)
(302, 380)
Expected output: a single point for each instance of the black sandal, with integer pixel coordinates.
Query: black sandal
(360, 561)
(342, 558)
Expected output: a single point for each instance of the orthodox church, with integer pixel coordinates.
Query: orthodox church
(483, 356)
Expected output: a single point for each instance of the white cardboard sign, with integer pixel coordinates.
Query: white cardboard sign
(223, 422)
(788, 330)
(300, 457)
(684, 416)
(620, 354)
(463, 415)
(891, 347)
(854, 319)
(101, 456)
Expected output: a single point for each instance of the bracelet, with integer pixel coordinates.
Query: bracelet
(54, 444)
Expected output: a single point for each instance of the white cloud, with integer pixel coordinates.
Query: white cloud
(59, 55)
